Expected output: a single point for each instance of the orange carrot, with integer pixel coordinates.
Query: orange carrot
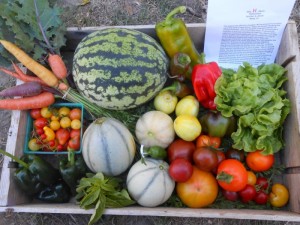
(26, 78)
(38, 69)
(34, 102)
(8, 72)
(57, 66)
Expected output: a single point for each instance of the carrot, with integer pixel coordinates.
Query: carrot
(34, 102)
(8, 72)
(57, 66)
(26, 89)
(27, 78)
(42, 72)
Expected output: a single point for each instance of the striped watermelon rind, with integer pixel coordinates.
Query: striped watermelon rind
(119, 68)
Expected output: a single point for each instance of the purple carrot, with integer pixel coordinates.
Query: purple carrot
(25, 89)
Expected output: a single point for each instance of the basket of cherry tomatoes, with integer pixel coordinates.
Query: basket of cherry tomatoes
(55, 129)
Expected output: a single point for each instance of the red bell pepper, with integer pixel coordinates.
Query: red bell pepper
(204, 77)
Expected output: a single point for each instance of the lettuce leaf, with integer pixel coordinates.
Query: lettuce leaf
(256, 97)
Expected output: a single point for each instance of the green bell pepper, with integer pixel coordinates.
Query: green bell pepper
(56, 193)
(216, 125)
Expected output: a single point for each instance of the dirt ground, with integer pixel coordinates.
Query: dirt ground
(111, 13)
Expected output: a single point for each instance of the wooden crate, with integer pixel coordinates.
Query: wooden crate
(12, 199)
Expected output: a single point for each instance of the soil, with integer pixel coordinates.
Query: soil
(112, 13)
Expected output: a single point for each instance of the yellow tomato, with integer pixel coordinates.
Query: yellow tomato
(75, 114)
(64, 111)
(251, 178)
(188, 105)
(54, 125)
(65, 122)
(279, 195)
(55, 115)
(50, 134)
(75, 124)
(165, 102)
(46, 113)
(33, 145)
(187, 127)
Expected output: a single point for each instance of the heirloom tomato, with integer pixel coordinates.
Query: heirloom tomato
(230, 195)
(205, 159)
(248, 193)
(279, 195)
(209, 141)
(180, 170)
(181, 149)
(232, 175)
(187, 127)
(259, 162)
(235, 154)
(199, 191)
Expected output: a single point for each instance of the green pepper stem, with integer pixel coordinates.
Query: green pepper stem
(14, 158)
(179, 9)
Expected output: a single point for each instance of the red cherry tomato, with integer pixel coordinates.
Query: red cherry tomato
(205, 159)
(74, 143)
(35, 113)
(232, 175)
(180, 170)
(259, 162)
(262, 183)
(261, 198)
(74, 133)
(181, 149)
(248, 193)
(208, 141)
(230, 195)
(235, 154)
(62, 135)
(40, 122)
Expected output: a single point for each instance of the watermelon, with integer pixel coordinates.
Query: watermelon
(119, 68)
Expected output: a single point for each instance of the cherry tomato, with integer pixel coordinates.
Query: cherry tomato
(230, 195)
(63, 111)
(181, 149)
(39, 131)
(279, 195)
(46, 112)
(50, 134)
(65, 122)
(180, 170)
(75, 124)
(248, 193)
(62, 135)
(259, 162)
(54, 124)
(251, 178)
(33, 145)
(75, 114)
(235, 154)
(74, 133)
(262, 183)
(205, 159)
(261, 198)
(205, 140)
(74, 143)
(35, 113)
(40, 122)
(199, 191)
(232, 175)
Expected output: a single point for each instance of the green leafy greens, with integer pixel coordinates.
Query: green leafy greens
(256, 97)
(18, 24)
(100, 192)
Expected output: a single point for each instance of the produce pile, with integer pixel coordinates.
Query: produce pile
(163, 127)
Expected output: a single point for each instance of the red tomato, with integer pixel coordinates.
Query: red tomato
(35, 113)
(235, 154)
(232, 175)
(199, 191)
(262, 183)
(40, 122)
(259, 162)
(205, 140)
(62, 135)
(181, 149)
(205, 159)
(75, 114)
(74, 143)
(230, 195)
(74, 133)
(248, 193)
(261, 198)
(180, 170)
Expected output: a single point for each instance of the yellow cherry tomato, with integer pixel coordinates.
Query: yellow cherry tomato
(55, 115)
(63, 111)
(50, 134)
(65, 122)
(75, 124)
(46, 113)
(187, 127)
(279, 195)
(54, 125)
(187, 105)
(33, 145)
(251, 178)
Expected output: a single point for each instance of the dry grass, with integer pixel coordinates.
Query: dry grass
(125, 12)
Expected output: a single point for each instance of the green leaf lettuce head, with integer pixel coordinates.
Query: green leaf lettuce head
(256, 97)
